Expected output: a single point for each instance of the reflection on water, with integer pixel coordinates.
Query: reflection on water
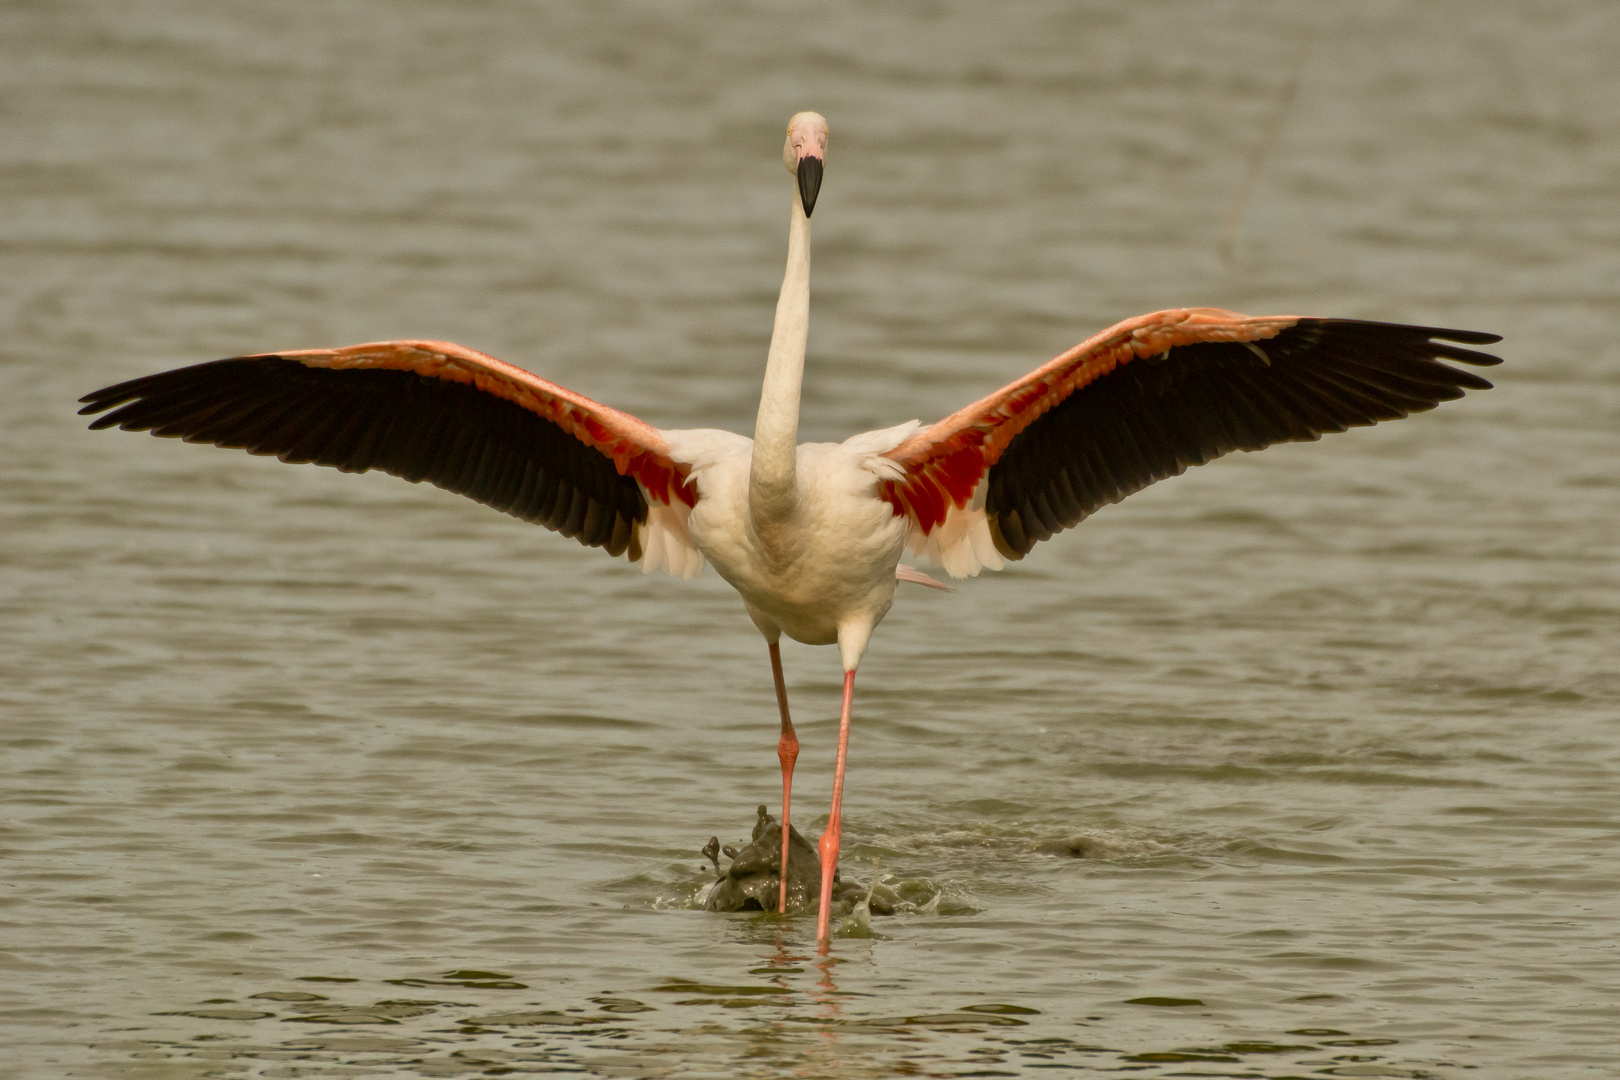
(785, 1013)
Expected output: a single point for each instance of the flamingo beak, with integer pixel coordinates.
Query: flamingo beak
(809, 177)
(805, 155)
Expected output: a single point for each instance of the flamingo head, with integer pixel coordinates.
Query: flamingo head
(805, 154)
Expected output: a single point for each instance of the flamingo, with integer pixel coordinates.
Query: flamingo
(812, 535)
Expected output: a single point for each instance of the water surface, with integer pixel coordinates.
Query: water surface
(1301, 764)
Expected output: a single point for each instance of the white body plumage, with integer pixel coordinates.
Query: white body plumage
(825, 572)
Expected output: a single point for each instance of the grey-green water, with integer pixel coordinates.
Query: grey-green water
(319, 775)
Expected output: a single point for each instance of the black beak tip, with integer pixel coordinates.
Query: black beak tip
(809, 174)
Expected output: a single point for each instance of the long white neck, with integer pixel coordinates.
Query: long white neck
(771, 478)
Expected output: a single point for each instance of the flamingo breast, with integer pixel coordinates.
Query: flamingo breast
(829, 566)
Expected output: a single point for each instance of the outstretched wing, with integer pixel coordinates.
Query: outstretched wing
(431, 410)
(1144, 400)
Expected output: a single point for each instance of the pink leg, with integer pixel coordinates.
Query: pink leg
(787, 750)
(830, 838)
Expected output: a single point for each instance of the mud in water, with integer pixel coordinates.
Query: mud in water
(752, 880)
